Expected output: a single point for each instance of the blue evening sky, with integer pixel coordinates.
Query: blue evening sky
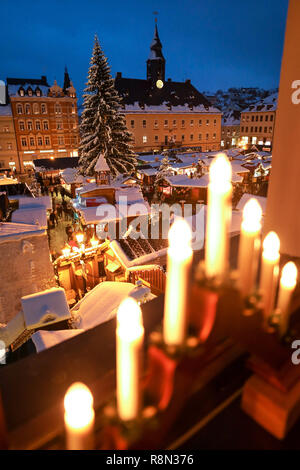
(215, 43)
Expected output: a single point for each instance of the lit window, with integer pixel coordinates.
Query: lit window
(40, 141)
(38, 125)
(29, 125)
(21, 92)
(214, 136)
(19, 109)
(31, 141)
(207, 122)
(192, 122)
(58, 109)
(166, 123)
(144, 139)
(27, 109)
(22, 125)
(24, 142)
(47, 140)
(270, 129)
(59, 126)
(45, 125)
(44, 108)
(156, 123)
(38, 92)
(254, 140)
(35, 108)
(61, 140)
(9, 146)
(29, 91)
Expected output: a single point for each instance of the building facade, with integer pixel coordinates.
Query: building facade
(8, 146)
(45, 119)
(230, 129)
(258, 122)
(163, 114)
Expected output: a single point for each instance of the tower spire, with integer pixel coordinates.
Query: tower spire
(156, 61)
(67, 81)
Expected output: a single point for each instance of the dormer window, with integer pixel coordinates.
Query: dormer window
(29, 92)
(38, 92)
(21, 92)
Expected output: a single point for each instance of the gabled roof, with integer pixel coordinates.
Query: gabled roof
(101, 164)
(145, 92)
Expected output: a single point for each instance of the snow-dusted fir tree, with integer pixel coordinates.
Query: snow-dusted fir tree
(103, 127)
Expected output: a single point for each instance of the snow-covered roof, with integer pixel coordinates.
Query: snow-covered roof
(101, 303)
(164, 108)
(150, 158)
(35, 215)
(44, 339)
(12, 230)
(13, 90)
(237, 168)
(46, 307)
(267, 104)
(101, 164)
(70, 175)
(245, 198)
(185, 181)
(148, 171)
(26, 201)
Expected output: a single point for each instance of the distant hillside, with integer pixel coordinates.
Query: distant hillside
(234, 100)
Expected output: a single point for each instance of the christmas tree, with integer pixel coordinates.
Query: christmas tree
(163, 171)
(103, 128)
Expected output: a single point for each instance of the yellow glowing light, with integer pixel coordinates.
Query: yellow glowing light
(82, 248)
(271, 246)
(159, 83)
(94, 242)
(66, 251)
(78, 405)
(179, 234)
(220, 171)
(80, 237)
(129, 319)
(289, 275)
(252, 215)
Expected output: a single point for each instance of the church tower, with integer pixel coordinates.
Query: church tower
(156, 62)
(67, 81)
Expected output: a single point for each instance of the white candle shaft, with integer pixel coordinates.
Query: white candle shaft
(284, 300)
(80, 438)
(248, 261)
(268, 282)
(174, 330)
(129, 365)
(217, 231)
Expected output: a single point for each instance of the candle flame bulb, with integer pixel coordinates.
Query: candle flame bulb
(289, 275)
(271, 246)
(220, 171)
(79, 237)
(129, 318)
(180, 237)
(79, 417)
(252, 215)
(94, 242)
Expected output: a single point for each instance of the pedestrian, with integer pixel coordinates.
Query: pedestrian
(52, 219)
(69, 231)
(59, 211)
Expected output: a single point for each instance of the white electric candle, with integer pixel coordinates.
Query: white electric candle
(79, 417)
(218, 217)
(249, 246)
(180, 255)
(129, 344)
(288, 283)
(269, 272)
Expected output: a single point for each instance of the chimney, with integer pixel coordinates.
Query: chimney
(188, 81)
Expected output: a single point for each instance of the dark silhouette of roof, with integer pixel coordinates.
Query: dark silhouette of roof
(56, 163)
(134, 90)
(28, 81)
